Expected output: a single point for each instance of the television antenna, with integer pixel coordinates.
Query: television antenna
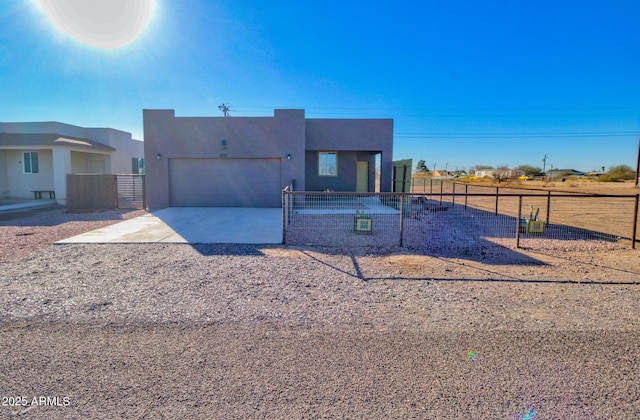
(225, 109)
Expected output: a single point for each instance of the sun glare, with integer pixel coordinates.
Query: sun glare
(107, 24)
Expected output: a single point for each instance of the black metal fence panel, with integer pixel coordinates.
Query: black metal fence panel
(131, 194)
(456, 220)
(339, 219)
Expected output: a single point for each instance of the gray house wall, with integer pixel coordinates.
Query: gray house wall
(180, 149)
(348, 135)
(170, 137)
(347, 166)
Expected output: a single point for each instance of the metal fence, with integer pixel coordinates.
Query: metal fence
(131, 193)
(460, 219)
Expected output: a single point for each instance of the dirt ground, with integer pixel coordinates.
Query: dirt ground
(224, 331)
(608, 215)
(575, 185)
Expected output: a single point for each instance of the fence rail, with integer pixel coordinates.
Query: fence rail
(131, 193)
(456, 218)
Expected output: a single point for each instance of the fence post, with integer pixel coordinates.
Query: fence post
(466, 190)
(548, 207)
(518, 221)
(144, 192)
(401, 218)
(453, 198)
(497, 196)
(440, 192)
(635, 223)
(430, 186)
(284, 218)
(289, 198)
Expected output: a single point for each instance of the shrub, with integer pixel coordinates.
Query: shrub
(618, 173)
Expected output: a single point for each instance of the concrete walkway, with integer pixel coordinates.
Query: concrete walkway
(10, 207)
(193, 225)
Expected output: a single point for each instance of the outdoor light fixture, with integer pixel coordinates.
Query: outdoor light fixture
(288, 156)
(158, 156)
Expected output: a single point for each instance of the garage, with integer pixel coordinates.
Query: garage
(224, 182)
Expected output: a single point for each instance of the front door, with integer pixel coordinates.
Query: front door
(362, 177)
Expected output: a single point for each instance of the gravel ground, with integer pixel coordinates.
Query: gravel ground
(22, 235)
(435, 227)
(233, 331)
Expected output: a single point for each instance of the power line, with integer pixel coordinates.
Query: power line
(516, 134)
(461, 111)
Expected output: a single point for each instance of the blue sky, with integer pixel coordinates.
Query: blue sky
(466, 82)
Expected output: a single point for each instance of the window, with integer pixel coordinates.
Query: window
(135, 166)
(30, 160)
(328, 164)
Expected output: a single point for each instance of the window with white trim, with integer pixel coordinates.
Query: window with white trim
(328, 163)
(30, 163)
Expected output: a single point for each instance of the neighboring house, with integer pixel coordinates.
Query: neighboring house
(247, 161)
(514, 173)
(566, 172)
(504, 173)
(37, 156)
(485, 173)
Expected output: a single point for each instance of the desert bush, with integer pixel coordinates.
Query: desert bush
(618, 173)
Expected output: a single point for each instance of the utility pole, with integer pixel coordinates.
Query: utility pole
(225, 109)
(544, 163)
(638, 164)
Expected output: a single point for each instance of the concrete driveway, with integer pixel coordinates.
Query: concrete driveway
(192, 225)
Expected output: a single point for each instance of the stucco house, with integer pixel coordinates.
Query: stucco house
(37, 156)
(504, 173)
(485, 173)
(247, 161)
(565, 172)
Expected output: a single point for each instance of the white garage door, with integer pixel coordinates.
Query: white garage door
(224, 182)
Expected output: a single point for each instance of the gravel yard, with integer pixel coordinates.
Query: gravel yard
(239, 331)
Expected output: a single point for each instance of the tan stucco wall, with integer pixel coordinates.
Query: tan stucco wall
(68, 159)
(85, 163)
(4, 182)
(126, 147)
(21, 184)
(120, 161)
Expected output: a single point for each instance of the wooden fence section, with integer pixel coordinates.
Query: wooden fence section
(105, 192)
(92, 192)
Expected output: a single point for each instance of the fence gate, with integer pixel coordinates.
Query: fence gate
(402, 175)
(131, 192)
